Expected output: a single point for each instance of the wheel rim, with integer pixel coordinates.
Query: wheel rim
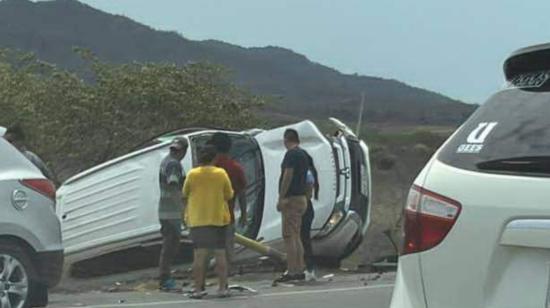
(14, 282)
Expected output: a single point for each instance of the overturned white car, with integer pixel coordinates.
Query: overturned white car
(113, 206)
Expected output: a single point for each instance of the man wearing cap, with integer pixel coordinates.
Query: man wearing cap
(171, 179)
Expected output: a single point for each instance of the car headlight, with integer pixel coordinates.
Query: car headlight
(333, 221)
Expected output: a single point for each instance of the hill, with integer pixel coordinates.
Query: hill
(299, 87)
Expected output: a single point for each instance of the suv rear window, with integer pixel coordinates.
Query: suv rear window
(509, 134)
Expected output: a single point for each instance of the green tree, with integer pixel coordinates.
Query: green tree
(75, 123)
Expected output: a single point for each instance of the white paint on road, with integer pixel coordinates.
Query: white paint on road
(382, 286)
(304, 292)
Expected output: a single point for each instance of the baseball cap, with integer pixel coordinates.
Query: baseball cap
(179, 144)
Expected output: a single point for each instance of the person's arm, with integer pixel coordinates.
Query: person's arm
(289, 163)
(227, 188)
(315, 188)
(285, 182)
(186, 187)
(310, 181)
(241, 197)
(185, 192)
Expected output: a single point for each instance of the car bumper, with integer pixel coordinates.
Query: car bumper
(50, 267)
(335, 243)
(408, 291)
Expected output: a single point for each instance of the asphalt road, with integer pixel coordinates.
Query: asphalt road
(352, 290)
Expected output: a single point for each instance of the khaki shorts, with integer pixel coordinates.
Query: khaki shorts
(292, 210)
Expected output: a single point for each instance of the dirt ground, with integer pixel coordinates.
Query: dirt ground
(250, 273)
(395, 164)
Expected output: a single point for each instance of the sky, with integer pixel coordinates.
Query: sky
(456, 48)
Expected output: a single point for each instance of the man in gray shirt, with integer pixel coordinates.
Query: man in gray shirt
(171, 178)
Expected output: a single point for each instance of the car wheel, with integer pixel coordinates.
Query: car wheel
(17, 277)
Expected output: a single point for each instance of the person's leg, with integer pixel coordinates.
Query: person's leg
(221, 268)
(292, 237)
(174, 242)
(199, 268)
(170, 243)
(299, 206)
(287, 238)
(229, 246)
(296, 255)
(305, 235)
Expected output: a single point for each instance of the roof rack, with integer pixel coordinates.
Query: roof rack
(180, 131)
(531, 59)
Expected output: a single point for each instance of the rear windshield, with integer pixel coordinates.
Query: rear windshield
(508, 134)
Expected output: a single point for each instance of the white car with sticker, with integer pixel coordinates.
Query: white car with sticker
(477, 223)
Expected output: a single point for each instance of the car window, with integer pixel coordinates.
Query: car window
(11, 158)
(509, 131)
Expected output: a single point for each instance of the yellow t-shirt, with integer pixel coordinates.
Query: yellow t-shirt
(207, 190)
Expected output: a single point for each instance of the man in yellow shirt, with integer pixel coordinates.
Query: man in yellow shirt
(208, 189)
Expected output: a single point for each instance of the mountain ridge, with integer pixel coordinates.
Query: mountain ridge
(297, 85)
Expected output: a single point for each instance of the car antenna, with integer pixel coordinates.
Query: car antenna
(359, 122)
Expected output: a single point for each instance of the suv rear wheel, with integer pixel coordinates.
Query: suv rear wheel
(17, 277)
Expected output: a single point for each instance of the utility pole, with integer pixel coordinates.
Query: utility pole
(359, 122)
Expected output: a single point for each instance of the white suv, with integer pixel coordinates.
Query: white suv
(477, 221)
(31, 251)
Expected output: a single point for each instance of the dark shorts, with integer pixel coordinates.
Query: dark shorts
(209, 237)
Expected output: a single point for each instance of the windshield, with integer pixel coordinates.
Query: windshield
(509, 133)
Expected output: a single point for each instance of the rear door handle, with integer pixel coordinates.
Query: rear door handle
(534, 233)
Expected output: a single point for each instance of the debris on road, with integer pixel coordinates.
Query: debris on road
(241, 288)
(259, 247)
(329, 277)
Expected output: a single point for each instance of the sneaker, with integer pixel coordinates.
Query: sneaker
(168, 285)
(197, 294)
(285, 278)
(224, 293)
(310, 275)
(299, 277)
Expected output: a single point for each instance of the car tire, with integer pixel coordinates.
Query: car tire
(21, 271)
(352, 246)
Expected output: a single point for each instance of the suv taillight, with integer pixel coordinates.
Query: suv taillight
(428, 219)
(45, 187)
